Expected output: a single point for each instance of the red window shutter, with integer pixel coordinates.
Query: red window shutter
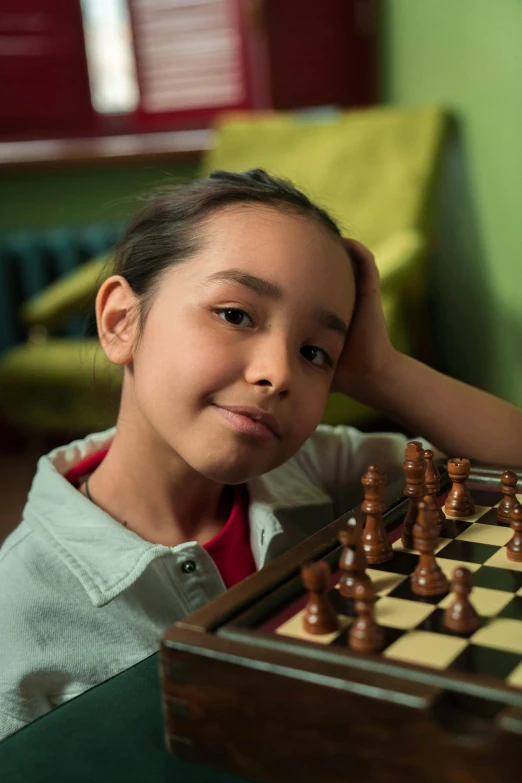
(44, 84)
(192, 60)
(322, 52)
(195, 59)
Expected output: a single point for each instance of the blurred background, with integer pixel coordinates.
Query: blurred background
(402, 117)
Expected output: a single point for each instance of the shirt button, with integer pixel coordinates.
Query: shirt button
(188, 566)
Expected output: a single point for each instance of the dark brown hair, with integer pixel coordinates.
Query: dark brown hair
(167, 230)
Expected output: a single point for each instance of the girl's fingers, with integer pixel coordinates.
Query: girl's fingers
(365, 268)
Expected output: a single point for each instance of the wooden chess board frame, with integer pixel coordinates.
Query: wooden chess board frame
(274, 708)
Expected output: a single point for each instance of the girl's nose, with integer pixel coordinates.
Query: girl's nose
(270, 364)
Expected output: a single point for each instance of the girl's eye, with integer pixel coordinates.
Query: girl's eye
(233, 315)
(315, 352)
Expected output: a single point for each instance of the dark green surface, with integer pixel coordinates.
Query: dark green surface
(113, 732)
(83, 194)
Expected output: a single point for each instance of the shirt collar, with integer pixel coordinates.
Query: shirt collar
(107, 558)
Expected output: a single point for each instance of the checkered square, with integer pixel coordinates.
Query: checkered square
(498, 578)
(512, 608)
(413, 626)
(467, 551)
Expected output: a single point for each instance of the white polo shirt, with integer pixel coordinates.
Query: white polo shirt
(82, 598)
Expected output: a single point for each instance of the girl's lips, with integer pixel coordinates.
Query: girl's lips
(256, 414)
(245, 424)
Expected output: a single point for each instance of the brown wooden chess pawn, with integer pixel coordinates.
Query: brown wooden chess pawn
(432, 481)
(365, 636)
(508, 482)
(459, 503)
(460, 616)
(414, 467)
(514, 546)
(352, 561)
(428, 578)
(320, 617)
(376, 544)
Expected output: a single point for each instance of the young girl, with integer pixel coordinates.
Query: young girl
(233, 313)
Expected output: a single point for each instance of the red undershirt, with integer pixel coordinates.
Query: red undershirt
(230, 549)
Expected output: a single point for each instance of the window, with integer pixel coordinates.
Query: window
(110, 56)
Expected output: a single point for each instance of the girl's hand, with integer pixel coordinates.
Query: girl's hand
(368, 349)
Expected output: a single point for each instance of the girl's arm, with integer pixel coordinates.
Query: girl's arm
(460, 420)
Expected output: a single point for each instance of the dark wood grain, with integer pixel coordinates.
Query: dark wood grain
(278, 709)
(264, 715)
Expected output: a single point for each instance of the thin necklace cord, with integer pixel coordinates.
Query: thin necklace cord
(89, 496)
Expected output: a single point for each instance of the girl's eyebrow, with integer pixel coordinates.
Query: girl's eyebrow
(273, 291)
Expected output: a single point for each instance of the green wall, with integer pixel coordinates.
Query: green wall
(467, 56)
(78, 195)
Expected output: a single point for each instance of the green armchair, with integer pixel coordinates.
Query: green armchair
(374, 170)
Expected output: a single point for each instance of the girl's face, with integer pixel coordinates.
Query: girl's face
(256, 318)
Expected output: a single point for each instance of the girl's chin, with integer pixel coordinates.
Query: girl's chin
(230, 476)
(235, 472)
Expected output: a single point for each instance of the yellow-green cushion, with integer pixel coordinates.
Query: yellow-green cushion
(373, 169)
(60, 385)
(66, 296)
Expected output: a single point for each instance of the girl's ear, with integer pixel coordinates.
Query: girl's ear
(116, 309)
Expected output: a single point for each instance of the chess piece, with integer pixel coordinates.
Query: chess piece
(431, 506)
(508, 481)
(460, 616)
(432, 482)
(353, 560)
(414, 470)
(428, 578)
(320, 616)
(459, 503)
(514, 546)
(376, 544)
(365, 636)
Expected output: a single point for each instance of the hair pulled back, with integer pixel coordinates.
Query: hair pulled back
(166, 231)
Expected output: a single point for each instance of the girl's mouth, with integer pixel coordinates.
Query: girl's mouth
(246, 425)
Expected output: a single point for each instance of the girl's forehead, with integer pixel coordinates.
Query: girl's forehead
(268, 222)
(289, 258)
(274, 240)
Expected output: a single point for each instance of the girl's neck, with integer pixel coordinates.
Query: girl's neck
(155, 494)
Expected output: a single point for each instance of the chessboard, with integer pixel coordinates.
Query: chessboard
(251, 685)
(413, 625)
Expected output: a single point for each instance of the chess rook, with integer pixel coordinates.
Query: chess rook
(460, 616)
(365, 636)
(376, 544)
(428, 578)
(414, 467)
(454, 657)
(320, 616)
(459, 503)
(432, 482)
(508, 482)
(352, 562)
(514, 546)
